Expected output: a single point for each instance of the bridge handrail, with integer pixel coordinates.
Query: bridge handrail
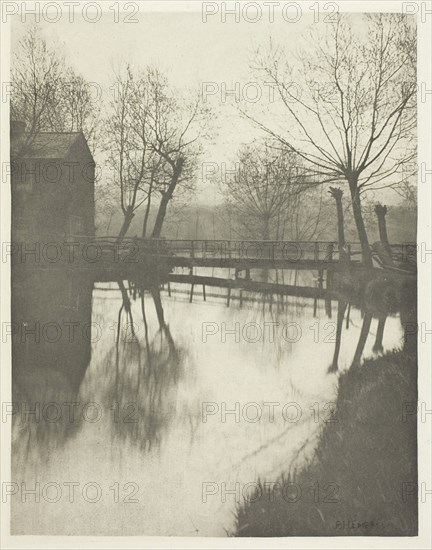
(190, 244)
(163, 239)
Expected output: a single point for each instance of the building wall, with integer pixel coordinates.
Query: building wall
(54, 197)
(81, 192)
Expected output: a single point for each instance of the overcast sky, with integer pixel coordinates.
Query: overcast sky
(190, 52)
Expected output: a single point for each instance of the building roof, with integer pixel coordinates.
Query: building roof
(51, 145)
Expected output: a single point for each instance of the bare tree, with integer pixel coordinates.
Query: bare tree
(79, 108)
(129, 146)
(351, 113)
(47, 94)
(178, 125)
(36, 72)
(152, 144)
(267, 193)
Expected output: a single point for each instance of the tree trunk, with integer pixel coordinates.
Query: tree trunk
(337, 194)
(166, 197)
(157, 229)
(146, 216)
(148, 207)
(341, 231)
(361, 229)
(343, 256)
(109, 222)
(128, 217)
(381, 212)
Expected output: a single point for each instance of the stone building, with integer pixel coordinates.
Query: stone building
(52, 177)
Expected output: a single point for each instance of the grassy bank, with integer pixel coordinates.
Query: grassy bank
(362, 478)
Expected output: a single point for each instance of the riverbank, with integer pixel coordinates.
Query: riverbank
(362, 479)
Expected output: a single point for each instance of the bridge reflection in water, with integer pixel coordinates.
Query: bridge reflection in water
(135, 365)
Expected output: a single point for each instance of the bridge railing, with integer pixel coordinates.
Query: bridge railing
(214, 248)
(252, 250)
(404, 253)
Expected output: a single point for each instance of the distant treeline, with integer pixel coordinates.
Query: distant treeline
(213, 222)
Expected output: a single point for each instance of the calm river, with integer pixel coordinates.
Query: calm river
(159, 419)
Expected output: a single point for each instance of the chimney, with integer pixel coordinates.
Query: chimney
(17, 129)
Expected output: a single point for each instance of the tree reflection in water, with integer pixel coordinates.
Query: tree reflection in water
(342, 305)
(144, 375)
(141, 375)
(51, 375)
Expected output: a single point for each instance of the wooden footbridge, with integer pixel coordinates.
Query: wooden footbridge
(244, 255)
(241, 255)
(107, 254)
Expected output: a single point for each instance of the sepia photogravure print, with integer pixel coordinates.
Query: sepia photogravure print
(216, 251)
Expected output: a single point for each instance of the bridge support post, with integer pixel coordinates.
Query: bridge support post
(228, 296)
(329, 279)
(191, 293)
(315, 305)
(320, 279)
(204, 293)
(328, 307)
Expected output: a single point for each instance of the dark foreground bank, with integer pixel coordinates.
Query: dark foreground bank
(363, 478)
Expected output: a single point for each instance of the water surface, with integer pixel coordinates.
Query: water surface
(152, 428)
